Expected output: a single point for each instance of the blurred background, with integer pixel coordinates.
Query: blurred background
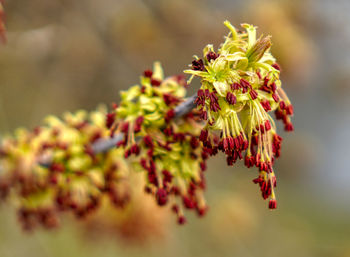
(67, 55)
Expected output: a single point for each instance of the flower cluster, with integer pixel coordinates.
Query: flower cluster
(70, 177)
(61, 166)
(240, 85)
(168, 149)
(56, 167)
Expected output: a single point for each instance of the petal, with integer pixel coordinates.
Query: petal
(221, 88)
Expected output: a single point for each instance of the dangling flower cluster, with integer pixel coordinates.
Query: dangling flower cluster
(167, 149)
(73, 178)
(240, 85)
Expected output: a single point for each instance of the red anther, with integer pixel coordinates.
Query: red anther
(289, 109)
(288, 127)
(262, 128)
(152, 166)
(143, 89)
(225, 143)
(247, 161)
(179, 137)
(273, 87)
(235, 86)
(170, 99)
(267, 125)
(231, 98)
(198, 65)
(276, 66)
(193, 156)
(253, 94)
(152, 178)
(181, 220)
(257, 157)
(169, 115)
(214, 106)
(203, 166)
(245, 144)
(162, 196)
(135, 149)
(150, 153)
(200, 93)
(203, 136)
(240, 155)
(127, 153)
(148, 141)
(258, 180)
(274, 181)
(245, 84)
(169, 131)
(143, 163)
(125, 127)
(253, 160)
(259, 74)
(138, 124)
(213, 97)
(285, 119)
(175, 190)
(148, 73)
(269, 167)
(236, 141)
(272, 204)
(282, 105)
(204, 115)
(240, 138)
(211, 56)
(120, 143)
(266, 105)
(110, 117)
(266, 81)
(175, 208)
(277, 138)
(194, 142)
(265, 166)
(191, 189)
(263, 186)
(275, 97)
(279, 114)
(221, 146)
(188, 203)
(207, 93)
(204, 155)
(265, 88)
(199, 101)
(202, 211)
(231, 142)
(58, 167)
(156, 82)
(235, 156)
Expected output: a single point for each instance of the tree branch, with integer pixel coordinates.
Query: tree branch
(104, 145)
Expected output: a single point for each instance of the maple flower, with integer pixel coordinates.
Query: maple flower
(73, 180)
(167, 149)
(240, 86)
